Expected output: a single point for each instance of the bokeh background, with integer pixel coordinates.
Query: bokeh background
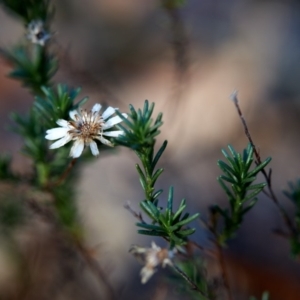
(123, 52)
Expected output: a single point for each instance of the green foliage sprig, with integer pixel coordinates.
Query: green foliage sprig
(195, 269)
(47, 109)
(29, 10)
(56, 104)
(168, 224)
(33, 66)
(139, 135)
(241, 191)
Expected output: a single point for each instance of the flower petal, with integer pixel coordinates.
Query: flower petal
(146, 273)
(155, 247)
(67, 138)
(72, 114)
(96, 108)
(105, 141)
(77, 148)
(94, 148)
(111, 122)
(56, 133)
(115, 133)
(108, 112)
(62, 123)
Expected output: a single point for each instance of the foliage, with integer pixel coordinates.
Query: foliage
(195, 269)
(139, 135)
(168, 224)
(241, 193)
(47, 109)
(56, 104)
(29, 10)
(33, 66)
(54, 174)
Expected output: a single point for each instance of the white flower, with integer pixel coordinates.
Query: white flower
(36, 32)
(84, 129)
(151, 258)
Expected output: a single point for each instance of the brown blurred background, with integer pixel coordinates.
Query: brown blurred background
(121, 52)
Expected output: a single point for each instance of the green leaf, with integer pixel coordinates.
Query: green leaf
(150, 210)
(149, 226)
(163, 220)
(252, 195)
(248, 157)
(186, 232)
(156, 194)
(142, 177)
(159, 154)
(260, 167)
(188, 220)
(177, 215)
(226, 168)
(156, 175)
(248, 179)
(152, 233)
(233, 152)
(232, 180)
(257, 186)
(170, 206)
(250, 205)
(225, 188)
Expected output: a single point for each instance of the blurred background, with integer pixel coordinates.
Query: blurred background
(188, 63)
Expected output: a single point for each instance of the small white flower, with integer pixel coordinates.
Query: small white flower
(84, 129)
(151, 258)
(36, 32)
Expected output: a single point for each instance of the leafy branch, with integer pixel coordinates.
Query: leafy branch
(33, 66)
(294, 231)
(168, 224)
(238, 184)
(29, 10)
(139, 134)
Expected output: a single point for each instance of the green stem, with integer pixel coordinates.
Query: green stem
(42, 171)
(146, 160)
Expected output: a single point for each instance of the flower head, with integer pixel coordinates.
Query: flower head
(36, 32)
(84, 128)
(151, 258)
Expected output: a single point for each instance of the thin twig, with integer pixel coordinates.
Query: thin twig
(281, 233)
(195, 244)
(180, 45)
(268, 176)
(97, 270)
(64, 175)
(224, 273)
(185, 276)
(180, 41)
(207, 251)
(134, 213)
(188, 279)
(219, 253)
